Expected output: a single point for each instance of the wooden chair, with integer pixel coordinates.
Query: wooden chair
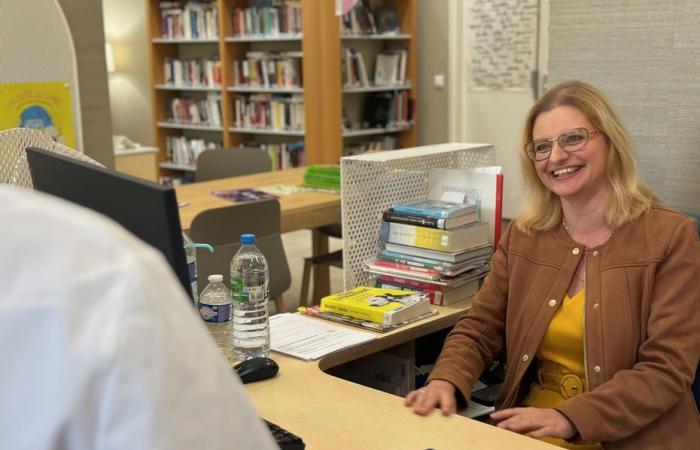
(222, 229)
(233, 162)
(332, 259)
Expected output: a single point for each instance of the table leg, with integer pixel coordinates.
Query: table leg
(321, 273)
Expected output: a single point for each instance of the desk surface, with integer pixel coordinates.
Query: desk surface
(297, 211)
(332, 413)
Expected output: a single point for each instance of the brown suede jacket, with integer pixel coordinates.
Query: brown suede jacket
(642, 328)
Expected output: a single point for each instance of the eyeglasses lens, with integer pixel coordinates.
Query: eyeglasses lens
(570, 141)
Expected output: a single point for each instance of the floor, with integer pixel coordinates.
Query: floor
(297, 246)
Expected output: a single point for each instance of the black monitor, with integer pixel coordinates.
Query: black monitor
(147, 209)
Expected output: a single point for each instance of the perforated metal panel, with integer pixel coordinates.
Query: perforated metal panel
(373, 182)
(13, 160)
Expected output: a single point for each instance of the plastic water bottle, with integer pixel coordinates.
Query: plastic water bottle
(250, 294)
(216, 310)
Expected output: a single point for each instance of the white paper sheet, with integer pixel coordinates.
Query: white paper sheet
(308, 339)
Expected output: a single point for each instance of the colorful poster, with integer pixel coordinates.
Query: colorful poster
(43, 106)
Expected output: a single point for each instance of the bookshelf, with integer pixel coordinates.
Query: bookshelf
(317, 47)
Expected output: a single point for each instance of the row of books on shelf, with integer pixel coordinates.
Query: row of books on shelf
(282, 18)
(273, 112)
(185, 110)
(363, 19)
(268, 69)
(389, 68)
(184, 151)
(388, 109)
(387, 142)
(194, 20)
(284, 155)
(192, 72)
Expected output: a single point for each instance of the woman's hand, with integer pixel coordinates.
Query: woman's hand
(436, 394)
(535, 422)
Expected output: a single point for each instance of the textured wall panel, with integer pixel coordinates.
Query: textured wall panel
(645, 55)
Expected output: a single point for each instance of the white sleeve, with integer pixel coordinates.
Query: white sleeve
(168, 386)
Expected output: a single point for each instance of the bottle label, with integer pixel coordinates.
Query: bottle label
(238, 293)
(215, 313)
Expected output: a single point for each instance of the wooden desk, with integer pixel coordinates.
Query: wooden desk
(297, 211)
(332, 413)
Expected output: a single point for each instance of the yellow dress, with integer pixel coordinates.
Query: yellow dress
(560, 353)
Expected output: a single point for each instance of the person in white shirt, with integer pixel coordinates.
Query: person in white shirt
(100, 346)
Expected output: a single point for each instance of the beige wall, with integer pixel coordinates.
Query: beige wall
(85, 22)
(431, 104)
(129, 85)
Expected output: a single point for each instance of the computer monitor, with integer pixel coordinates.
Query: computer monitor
(147, 209)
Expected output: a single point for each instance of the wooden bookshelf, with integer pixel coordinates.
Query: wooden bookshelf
(324, 97)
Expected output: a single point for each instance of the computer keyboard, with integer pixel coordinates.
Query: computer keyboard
(285, 439)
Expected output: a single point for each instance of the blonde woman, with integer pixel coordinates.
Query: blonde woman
(592, 295)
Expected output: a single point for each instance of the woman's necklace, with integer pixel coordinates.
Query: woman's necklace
(586, 251)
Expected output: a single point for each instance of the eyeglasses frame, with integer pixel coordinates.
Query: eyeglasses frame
(530, 144)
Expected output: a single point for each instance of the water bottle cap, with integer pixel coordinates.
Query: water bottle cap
(217, 278)
(247, 238)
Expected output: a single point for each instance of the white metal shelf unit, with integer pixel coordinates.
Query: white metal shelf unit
(373, 182)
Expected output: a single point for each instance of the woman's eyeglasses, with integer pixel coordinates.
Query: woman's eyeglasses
(570, 141)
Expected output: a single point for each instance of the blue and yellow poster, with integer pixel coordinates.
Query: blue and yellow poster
(43, 106)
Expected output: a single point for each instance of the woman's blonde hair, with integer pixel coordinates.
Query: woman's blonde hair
(630, 198)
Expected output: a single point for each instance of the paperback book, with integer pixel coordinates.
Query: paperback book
(436, 209)
(388, 307)
(392, 215)
(454, 240)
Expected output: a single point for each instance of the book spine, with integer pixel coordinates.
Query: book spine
(408, 260)
(412, 219)
(345, 309)
(401, 266)
(413, 283)
(430, 238)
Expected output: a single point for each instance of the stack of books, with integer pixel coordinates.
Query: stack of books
(436, 247)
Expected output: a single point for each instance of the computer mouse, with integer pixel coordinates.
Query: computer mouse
(256, 369)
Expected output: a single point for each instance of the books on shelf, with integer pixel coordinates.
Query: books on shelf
(273, 20)
(268, 69)
(388, 109)
(390, 67)
(194, 20)
(184, 151)
(354, 70)
(387, 142)
(192, 72)
(189, 111)
(359, 20)
(452, 240)
(390, 215)
(284, 155)
(315, 311)
(382, 306)
(271, 112)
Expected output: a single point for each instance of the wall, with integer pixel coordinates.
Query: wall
(129, 85)
(645, 55)
(432, 59)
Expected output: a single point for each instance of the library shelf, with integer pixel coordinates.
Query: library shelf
(185, 41)
(187, 87)
(357, 90)
(189, 126)
(374, 131)
(263, 89)
(265, 38)
(267, 131)
(377, 37)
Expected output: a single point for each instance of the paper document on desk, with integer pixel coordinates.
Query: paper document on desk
(308, 339)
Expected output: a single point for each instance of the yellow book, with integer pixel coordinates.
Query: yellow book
(388, 307)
